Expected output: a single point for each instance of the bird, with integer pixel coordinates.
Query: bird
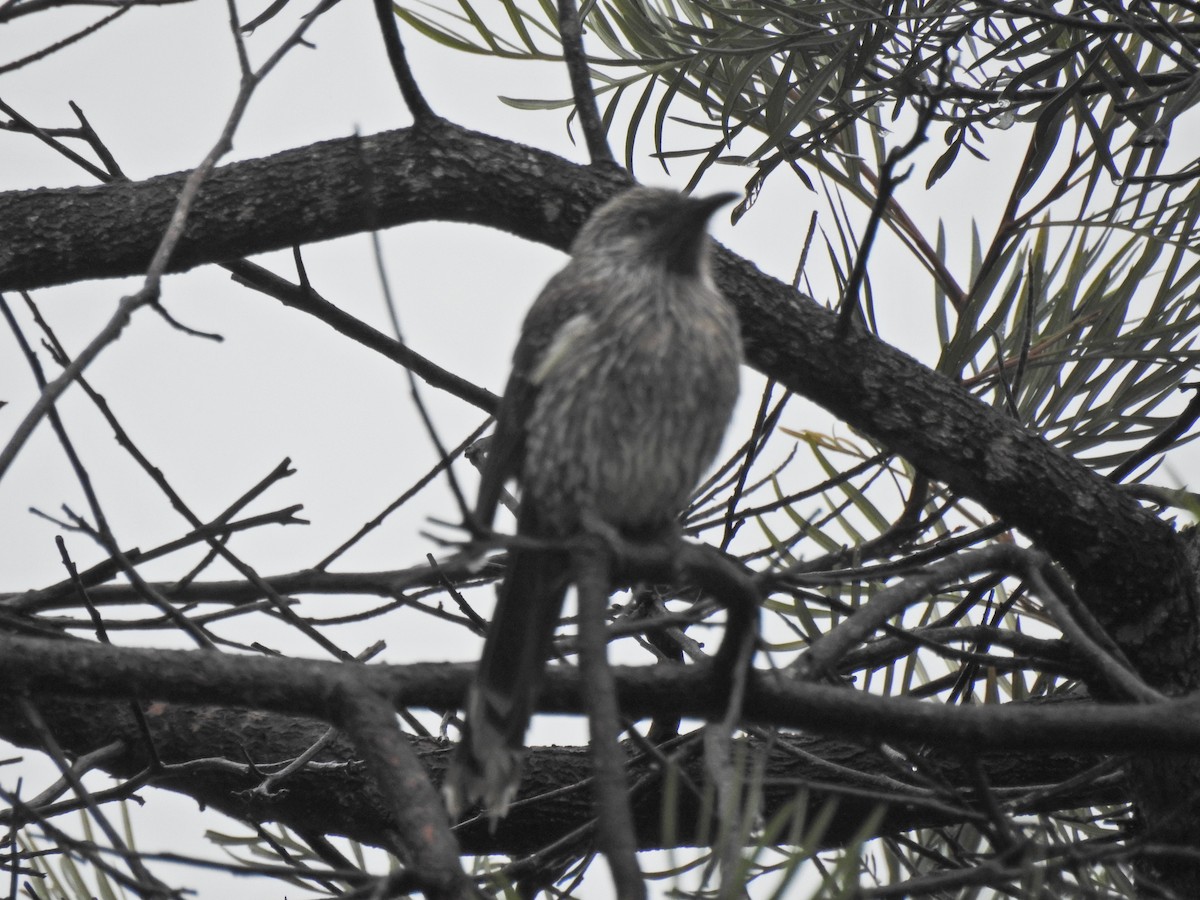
(622, 385)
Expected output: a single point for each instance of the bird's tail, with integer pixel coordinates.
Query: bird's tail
(486, 767)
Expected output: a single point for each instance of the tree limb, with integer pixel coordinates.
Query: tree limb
(208, 751)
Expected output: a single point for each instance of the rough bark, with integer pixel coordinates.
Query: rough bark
(338, 797)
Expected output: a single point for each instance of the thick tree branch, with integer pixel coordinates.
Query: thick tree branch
(437, 171)
(313, 688)
(206, 750)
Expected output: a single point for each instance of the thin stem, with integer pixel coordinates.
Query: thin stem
(413, 98)
(616, 834)
(571, 31)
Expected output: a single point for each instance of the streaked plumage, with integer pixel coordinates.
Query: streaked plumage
(622, 385)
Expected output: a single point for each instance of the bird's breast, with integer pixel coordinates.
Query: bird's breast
(631, 409)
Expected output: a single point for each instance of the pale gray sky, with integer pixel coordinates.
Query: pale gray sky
(216, 418)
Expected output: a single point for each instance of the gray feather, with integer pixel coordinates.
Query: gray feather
(623, 383)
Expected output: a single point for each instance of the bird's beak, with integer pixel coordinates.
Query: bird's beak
(684, 243)
(704, 207)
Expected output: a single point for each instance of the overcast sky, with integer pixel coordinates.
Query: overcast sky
(216, 417)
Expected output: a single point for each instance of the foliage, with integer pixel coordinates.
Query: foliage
(1054, 320)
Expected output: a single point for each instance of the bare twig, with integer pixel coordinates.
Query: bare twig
(91, 851)
(426, 842)
(44, 136)
(88, 133)
(1030, 565)
(407, 495)
(82, 765)
(888, 180)
(172, 234)
(409, 90)
(270, 783)
(102, 532)
(1164, 439)
(149, 295)
(763, 426)
(304, 298)
(146, 884)
(615, 833)
(65, 42)
(414, 390)
(571, 31)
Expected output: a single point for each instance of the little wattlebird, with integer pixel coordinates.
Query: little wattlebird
(622, 385)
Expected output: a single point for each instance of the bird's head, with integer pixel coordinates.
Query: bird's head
(652, 226)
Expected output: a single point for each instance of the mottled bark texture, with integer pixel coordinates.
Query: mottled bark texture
(341, 799)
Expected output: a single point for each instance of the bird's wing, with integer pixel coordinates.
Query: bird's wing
(552, 320)
(506, 449)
